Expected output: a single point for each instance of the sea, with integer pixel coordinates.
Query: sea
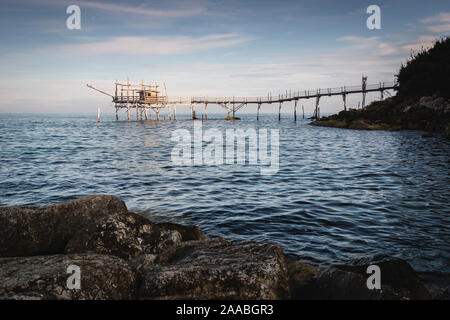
(337, 194)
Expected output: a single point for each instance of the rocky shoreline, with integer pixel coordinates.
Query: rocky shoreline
(122, 255)
(429, 113)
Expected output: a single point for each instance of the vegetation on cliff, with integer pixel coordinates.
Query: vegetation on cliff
(422, 101)
(426, 73)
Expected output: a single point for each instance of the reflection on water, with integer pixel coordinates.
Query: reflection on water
(338, 194)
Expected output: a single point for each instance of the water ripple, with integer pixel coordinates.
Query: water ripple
(338, 194)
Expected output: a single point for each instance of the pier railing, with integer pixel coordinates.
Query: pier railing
(304, 94)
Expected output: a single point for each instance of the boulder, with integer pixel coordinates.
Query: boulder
(128, 235)
(349, 281)
(26, 231)
(301, 276)
(46, 277)
(216, 269)
(125, 235)
(187, 232)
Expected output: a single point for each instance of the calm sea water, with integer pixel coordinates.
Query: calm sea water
(339, 194)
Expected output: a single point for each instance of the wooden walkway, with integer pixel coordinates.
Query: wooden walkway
(233, 104)
(145, 98)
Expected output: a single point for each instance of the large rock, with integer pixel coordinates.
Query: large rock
(216, 269)
(45, 277)
(128, 235)
(26, 231)
(349, 281)
(364, 124)
(187, 232)
(301, 277)
(336, 123)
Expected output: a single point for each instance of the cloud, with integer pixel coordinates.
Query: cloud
(439, 23)
(142, 10)
(162, 45)
(191, 9)
(441, 17)
(423, 42)
(371, 44)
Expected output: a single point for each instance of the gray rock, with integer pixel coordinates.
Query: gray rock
(26, 231)
(45, 277)
(301, 276)
(217, 269)
(187, 232)
(125, 235)
(349, 281)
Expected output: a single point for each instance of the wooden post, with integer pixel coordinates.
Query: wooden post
(295, 110)
(137, 112)
(382, 91)
(174, 112)
(257, 114)
(279, 112)
(303, 111)
(146, 117)
(344, 97)
(316, 112)
(128, 111)
(98, 115)
(363, 87)
(206, 114)
(157, 114)
(117, 112)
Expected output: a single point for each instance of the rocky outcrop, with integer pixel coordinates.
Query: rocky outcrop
(27, 231)
(430, 113)
(301, 278)
(45, 277)
(349, 281)
(122, 255)
(217, 269)
(125, 235)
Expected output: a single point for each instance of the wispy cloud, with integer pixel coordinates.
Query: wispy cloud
(371, 44)
(438, 23)
(144, 10)
(422, 43)
(162, 45)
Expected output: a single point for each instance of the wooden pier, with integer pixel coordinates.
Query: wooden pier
(146, 98)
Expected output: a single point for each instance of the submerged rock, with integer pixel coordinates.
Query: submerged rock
(45, 277)
(26, 231)
(217, 269)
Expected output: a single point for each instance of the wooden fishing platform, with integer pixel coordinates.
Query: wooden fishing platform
(145, 98)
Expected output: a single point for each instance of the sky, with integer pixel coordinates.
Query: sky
(204, 48)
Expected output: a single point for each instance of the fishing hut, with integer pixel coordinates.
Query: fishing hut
(143, 98)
